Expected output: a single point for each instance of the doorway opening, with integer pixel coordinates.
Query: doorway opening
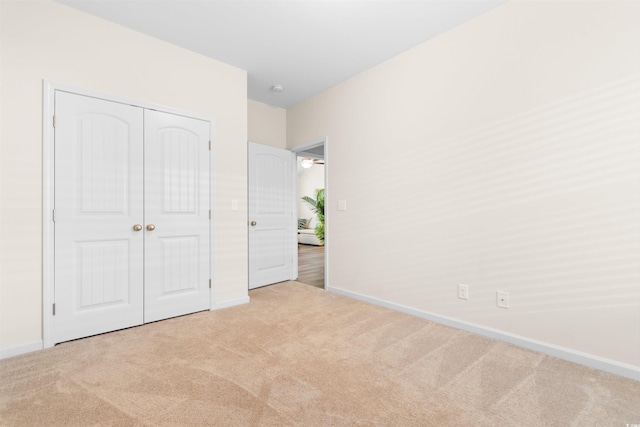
(311, 192)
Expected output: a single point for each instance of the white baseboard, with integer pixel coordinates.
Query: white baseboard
(230, 303)
(607, 365)
(28, 347)
(21, 348)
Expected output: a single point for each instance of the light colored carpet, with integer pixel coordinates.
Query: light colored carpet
(297, 355)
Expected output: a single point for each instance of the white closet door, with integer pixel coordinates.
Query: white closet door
(98, 200)
(176, 215)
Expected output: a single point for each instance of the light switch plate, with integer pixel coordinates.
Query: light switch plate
(342, 205)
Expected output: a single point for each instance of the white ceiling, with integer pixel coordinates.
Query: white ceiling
(306, 46)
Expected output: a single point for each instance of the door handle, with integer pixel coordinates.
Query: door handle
(151, 227)
(253, 223)
(137, 227)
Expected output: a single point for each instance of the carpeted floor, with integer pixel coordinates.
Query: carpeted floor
(297, 355)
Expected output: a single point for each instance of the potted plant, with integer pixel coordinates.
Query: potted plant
(317, 207)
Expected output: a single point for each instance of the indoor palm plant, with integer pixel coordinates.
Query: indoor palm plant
(317, 207)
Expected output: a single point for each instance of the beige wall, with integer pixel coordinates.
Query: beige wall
(503, 154)
(267, 124)
(46, 40)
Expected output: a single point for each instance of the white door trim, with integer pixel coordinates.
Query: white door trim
(48, 162)
(299, 149)
(294, 237)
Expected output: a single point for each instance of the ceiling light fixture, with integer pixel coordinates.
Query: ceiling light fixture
(277, 88)
(307, 162)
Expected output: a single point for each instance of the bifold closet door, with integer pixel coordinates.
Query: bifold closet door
(98, 203)
(176, 215)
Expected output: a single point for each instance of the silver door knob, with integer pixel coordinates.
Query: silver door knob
(253, 223)
(151, 227)
(137, 227)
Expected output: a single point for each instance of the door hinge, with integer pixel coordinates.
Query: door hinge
(54, 121)
(54, 308)
(209, 213)
(209, 283)
(53, 215)
(209, 145)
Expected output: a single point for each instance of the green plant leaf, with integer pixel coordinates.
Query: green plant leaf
(317, 207)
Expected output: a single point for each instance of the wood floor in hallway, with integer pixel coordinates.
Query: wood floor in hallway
(311, 265)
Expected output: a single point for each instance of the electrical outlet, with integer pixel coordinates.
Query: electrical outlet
(463, 291)
(502, 299)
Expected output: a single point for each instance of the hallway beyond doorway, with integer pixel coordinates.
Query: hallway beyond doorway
(311, 265)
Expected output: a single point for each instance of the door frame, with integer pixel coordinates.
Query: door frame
(48, 196)
(300, 150)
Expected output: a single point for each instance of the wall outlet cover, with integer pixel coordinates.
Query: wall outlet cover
(463, 291)
(502, 299)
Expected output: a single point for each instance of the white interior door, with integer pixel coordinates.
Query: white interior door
(132, 215)
(98, 200)
(271, 233)
(176, 215)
